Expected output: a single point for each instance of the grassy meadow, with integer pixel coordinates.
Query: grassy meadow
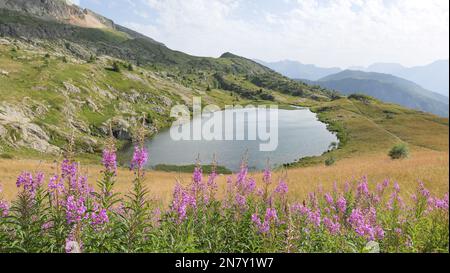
(430, 167)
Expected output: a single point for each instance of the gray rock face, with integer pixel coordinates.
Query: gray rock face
(22, 132)
(71, 88)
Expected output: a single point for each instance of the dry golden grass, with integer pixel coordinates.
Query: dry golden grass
(431, 167)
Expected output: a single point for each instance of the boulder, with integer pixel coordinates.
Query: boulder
(25, 132)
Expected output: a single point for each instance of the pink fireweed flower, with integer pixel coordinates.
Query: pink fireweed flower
(314, 218)
(329, 199)
(423, 191)
(381, 187)
(156, 217)
(313, 200)
(4, 208)
(78, 185)
(395, 199)
(442, 203)
(282, 188)
(249, 186)
(228, 200)
(260, 192)
(300, 209)
(182, 201)
(197, 176)
(364, 223)
(241, 176)
(333, 225)
(270, 218)
(56, 186)
(241, 201)
(47, 225)
(341, 204)
(363, 188)
(267, 176)
(99, 216)
(75, 209)
(271, 215)
(197, 187)
(109, 161)
(386, 183)
(211, 187)
(212, 180)
(347, 187)
(335, 187)
(68, 168)
(140, 158)
(29, 183)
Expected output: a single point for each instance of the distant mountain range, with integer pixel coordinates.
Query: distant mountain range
(297, 70)
(434, 77)
(387, 88)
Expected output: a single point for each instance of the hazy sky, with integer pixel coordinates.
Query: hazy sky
(323, 32)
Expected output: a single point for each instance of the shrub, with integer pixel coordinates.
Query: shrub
(6, 156)
(115, 67)
(399, 151)
(330, 161)
(361, 97)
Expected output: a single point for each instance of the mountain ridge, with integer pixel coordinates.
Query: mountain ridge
(388, 88)
(298, 70)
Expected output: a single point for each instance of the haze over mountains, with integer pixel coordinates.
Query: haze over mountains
(387, 88)
(298, 70)
(433, 77)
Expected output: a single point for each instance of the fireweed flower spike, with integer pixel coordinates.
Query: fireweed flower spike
(140, 158)
(211, 183)
(109, 161)
(182, 201)
(29, 183)
(99, 217)
(270, 219)
(140, 155)
(4, 206)
(76, 210)
(198, 187)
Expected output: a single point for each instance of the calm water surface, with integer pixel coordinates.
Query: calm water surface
(300, 134)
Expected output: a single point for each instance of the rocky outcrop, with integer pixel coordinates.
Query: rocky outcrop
(18, 130)
(61, 10)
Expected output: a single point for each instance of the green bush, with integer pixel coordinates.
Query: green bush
(330, 161)
(116, 67)
(6, 156)
(399, 151)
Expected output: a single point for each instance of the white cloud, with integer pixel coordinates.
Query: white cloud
(325, 32)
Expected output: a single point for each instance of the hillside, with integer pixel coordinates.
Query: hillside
(387, 88)
(59, 78)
